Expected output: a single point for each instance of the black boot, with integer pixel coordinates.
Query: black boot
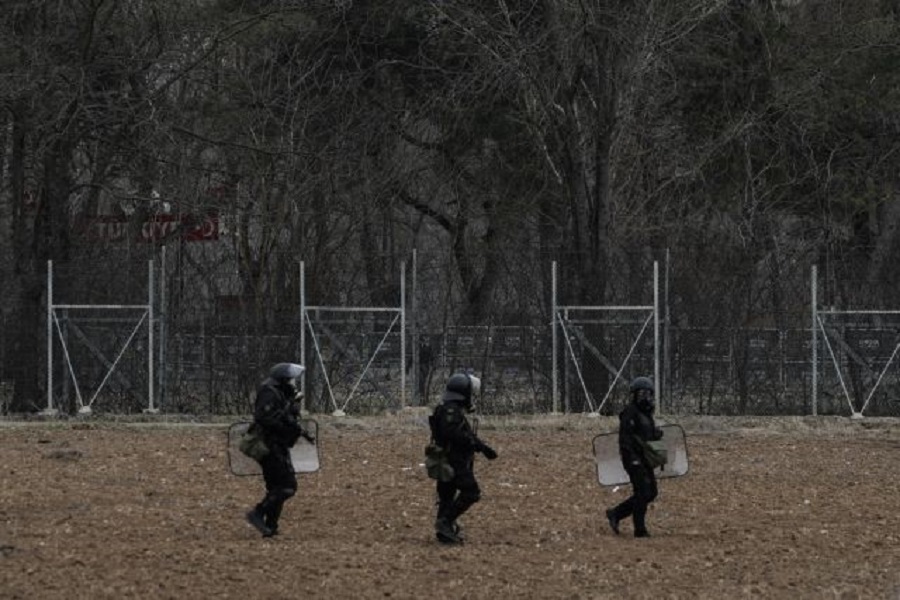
(613, 520)
(640, 523)
(256, 518)
(445, 532)
(272, 517)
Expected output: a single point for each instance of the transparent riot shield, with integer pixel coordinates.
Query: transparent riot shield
(609, 464)
(304, 454)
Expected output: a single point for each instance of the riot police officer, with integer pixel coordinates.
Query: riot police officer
(636, 428)
(276, 419)
(451, 430)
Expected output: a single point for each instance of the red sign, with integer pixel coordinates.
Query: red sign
(158, 227)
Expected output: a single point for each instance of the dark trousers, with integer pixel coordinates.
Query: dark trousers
(281, 484)
(458, 495)
(644, 491)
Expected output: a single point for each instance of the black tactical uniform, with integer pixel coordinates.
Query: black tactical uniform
(275, 416)
(451, 430)
(636, 426)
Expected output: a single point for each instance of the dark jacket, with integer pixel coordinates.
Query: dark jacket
(451, 430)
(276, 415)
(635, 426)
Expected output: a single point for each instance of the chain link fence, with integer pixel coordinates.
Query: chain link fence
(217, 327)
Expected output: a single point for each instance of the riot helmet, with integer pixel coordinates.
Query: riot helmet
(642, 393)
(285, 376)
(461, 387)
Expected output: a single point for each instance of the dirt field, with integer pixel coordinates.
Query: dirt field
(789, 508)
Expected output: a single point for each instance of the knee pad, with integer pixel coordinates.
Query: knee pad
(468, 497)
(648, 496)
(281, 494)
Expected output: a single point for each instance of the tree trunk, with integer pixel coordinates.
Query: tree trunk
(49, 240)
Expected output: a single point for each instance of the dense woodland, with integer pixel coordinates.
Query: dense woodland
(745, 140)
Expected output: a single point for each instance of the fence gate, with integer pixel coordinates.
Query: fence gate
(338, 342)
(859, 346)
(61, 320)
(570, 320)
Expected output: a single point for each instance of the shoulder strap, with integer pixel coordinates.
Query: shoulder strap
(433, 420)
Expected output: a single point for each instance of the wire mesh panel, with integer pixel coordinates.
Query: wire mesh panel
(859, 367)
(604, 352)
(748, 371)
(701, 371)
(512, 362)
(857, 327)
(355, 362)
(219, 323)
(101, 346)
(219, 374)
(101, 361)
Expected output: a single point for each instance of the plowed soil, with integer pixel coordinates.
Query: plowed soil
(771, 508)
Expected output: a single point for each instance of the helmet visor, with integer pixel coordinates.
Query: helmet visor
(286, 371)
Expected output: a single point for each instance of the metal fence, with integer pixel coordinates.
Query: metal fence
(212, 347)
(217, 374)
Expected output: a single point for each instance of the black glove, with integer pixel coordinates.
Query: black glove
(489, 453)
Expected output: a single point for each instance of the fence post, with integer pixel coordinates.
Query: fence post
(151, 408)
(303, 333)
(49, 409)
(553, 317)
(403, 334)
(417, 398)
(656, 380)
(815, 341)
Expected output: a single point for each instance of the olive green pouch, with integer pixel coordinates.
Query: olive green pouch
(655, 453)
(437, 463)
(253, 445)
